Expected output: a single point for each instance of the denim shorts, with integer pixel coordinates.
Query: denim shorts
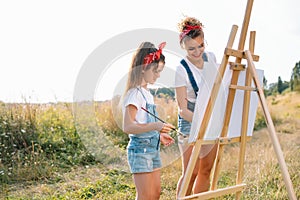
(184, 126)
(143, 154)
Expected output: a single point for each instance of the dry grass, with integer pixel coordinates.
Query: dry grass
(262, 173)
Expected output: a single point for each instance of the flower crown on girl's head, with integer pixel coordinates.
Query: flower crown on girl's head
(154, 55)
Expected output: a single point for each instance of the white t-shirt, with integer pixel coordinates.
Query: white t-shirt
(135, 97)
(182, 78)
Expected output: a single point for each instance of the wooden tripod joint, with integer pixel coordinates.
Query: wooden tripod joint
(240, 54)
(245, 88)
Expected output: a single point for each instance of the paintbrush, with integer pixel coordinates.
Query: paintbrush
(174, 129)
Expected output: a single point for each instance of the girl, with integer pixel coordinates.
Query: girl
(145, 131)
(187, 82)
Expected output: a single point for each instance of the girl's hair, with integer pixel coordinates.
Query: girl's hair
(190, 27)
(135, 75)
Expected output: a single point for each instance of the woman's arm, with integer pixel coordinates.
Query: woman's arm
(130, 126)
(181, 96)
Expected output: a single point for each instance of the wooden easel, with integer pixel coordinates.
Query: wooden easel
(251, 75)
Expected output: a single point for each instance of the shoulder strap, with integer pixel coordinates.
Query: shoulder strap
(191, 76)
(204, 56)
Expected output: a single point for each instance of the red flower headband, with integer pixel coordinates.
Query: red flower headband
(188, 28)
(155, 55)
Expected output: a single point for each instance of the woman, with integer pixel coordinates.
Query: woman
(187, 82)
(145, 131)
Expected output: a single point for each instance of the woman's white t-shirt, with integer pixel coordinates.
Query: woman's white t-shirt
(135, 97)
(182, 78)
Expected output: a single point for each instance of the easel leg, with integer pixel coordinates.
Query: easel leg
(245, 119)
(271, 128)
(244, 130)
(227, 116)
(189, 169)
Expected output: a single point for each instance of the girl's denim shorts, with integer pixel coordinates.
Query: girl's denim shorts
(143, 154)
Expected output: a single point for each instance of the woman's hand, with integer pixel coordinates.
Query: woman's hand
(166, 139)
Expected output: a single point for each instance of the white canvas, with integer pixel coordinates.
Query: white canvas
(215, 124)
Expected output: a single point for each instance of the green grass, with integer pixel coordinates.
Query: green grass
(47, 153)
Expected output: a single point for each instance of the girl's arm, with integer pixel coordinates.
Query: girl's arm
(130, 126)
(181, 97)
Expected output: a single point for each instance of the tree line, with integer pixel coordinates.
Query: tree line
(280, 85)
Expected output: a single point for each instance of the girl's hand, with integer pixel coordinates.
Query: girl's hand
(167, 128)
(166, 139)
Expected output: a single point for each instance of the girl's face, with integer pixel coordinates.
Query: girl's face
(194, 48)
(152, 74)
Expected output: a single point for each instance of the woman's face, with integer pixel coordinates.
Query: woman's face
(153, 73)
(194, 48)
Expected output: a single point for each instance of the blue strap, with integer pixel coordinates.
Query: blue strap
(191, 76)
(204, 57)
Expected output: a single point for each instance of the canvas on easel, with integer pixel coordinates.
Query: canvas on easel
(217, 122)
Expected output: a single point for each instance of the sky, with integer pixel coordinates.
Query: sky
(44, 45)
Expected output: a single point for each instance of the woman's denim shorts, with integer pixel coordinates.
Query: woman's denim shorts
(183, 125)
(143, 154)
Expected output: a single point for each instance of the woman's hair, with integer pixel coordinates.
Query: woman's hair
(135, 75)
(190, 27)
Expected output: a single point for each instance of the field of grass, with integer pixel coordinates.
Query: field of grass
(48, 154)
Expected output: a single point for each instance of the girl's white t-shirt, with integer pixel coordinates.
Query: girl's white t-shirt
(182, 78)
(134, 97)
